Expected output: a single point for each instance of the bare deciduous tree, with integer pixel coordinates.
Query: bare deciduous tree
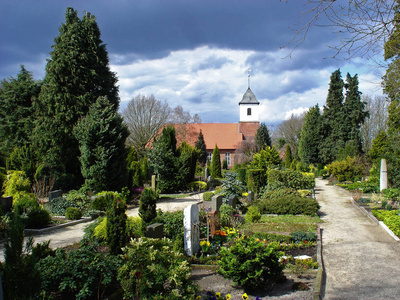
(290, 130)
(182, 119)
(362, 26)
(377, 121)
(144, 117)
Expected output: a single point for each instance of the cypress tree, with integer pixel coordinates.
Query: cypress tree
(77, 73)
(310, 138)
(288, 156)
(102, 135)
(16, 110)
(201, 145)
(262, 137)
(117, 235)
(216, 164)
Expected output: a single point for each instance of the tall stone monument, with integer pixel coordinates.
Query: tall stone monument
(191, 223)
(383, 177)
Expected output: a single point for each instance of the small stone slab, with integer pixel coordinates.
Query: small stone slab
(155, 231)
(216, 202)
(55, 194)
(215, 221)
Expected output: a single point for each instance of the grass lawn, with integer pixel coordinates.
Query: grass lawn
(173, 196)
(283, 224)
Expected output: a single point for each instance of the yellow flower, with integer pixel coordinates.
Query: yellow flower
(245, 297)
(198, 297)
(228, 296)
(218, 295)
(257, 240)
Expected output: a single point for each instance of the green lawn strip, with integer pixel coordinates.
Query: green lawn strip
(174, 196)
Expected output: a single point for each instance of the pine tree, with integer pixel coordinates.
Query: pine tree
(216, 164)
(288, 156)
(117, 235)
(262, 137)
(102, 135)
(16, 110)
(310, 138)
(333, 120)
(201, 145)
(77, 73)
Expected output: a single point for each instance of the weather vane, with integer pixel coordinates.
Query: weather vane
(248, 71)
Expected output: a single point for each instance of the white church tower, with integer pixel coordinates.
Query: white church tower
(249, 106)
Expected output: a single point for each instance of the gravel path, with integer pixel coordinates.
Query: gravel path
(71, 234)
(361, 260)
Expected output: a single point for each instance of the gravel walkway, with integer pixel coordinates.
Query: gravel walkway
(361, 260)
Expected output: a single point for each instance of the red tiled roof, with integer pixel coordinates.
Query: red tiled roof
(224, 135)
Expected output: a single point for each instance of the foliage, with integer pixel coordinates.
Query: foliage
(255, 179)
(291, 179)
(148, 203)
(197, 186)
(253, 214)
(187, 162)
(231, 187)
(16, 182)
(391, 194)
(288, 156)
(363, 186)
(304, 193)
(215, 169)
(346, 170)
(310, 137)
(291, 204)
(390, 218)
(250, 264)
(201, 146)
(101, 136)
(77, 74)
(73, 213)
(301, 236)
(207, 196)
(266, 158)
(81, 273)
(151, 265)
(100, 200)
(58, 206)
(117, 235)
(173, 223)
(226, 215)
(16, 111)
(380, 147)
(23, 159)
(262, 137)
(134, 226)
(19, 276)
(38, 218)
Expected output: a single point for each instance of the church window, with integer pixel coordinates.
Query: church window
(249, 111)
(209, 156)
(228, 158)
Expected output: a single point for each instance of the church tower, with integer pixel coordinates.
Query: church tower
(249, 109)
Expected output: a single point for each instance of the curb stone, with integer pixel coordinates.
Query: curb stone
(44, 230)
(318, 284)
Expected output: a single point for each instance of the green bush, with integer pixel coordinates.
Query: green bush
(346, 170)
(288, 204)
(241, 175)
(152, 270)
(207, 196)
(226, 215)
(83, 273)
(134, 226)
(117, 235)
(255, 179)
(250, 264)
(291, 179)
(148, 203)
(73, 213)
(16, 182)
(253, 214)
(24, 203)
(38, 218)
(391, 194)
(100, 203)
(197, 186)
(272, 237)
(364, 187)
(58, 206)
(304, 193)
(301, 236)
(173, 223)
(81, 200)
(390, 218)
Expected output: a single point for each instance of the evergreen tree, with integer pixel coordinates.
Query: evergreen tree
(288, 156)
(353, 112)
(262, 137)
(332, 130)
(102, 135)
(77, 74)
(187, 162)
(16, 110)
(310, 138)
(201, 145)
(216, 164)
(117, 235)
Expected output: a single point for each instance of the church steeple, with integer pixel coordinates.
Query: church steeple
(249, 105)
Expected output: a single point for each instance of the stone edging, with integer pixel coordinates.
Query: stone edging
(44, 230)
(318, 284)
(372, 217)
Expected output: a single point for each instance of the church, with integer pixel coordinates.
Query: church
(227, 136)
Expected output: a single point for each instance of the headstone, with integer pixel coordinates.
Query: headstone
(250, 196)
(155, 231)
(206, 172)
(6, 204)
(191, 229)
(216, 202)
(153, 182)
(232, 201)
(383, 178)
(55, 194)
(215, 221)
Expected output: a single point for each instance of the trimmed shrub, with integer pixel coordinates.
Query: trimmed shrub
(24, 203)
(288, 204)
(255, 179)
(304, 193)
(117, 235)
(100, 202)
(241, 175)
(291, 179)
(148, 203)
(250, 264)
(197, 186)
(38, 218)
(134, 226)
(73, 213)
(207, 196)
(173, 223)
(346, 170)
(253, 214)
(301, 236)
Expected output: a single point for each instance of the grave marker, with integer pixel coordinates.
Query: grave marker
(216, 202)
(383, 177)
(55, 194)
(155, 231)
(191, 223)
(215, 221)
(232, 201)
(153, 182)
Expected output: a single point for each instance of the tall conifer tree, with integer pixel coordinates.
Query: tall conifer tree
(262, 137)
(77, 73)
(310, 138)
(216, 164)
(201, 145)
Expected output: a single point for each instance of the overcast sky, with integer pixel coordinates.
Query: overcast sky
(193, 53)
